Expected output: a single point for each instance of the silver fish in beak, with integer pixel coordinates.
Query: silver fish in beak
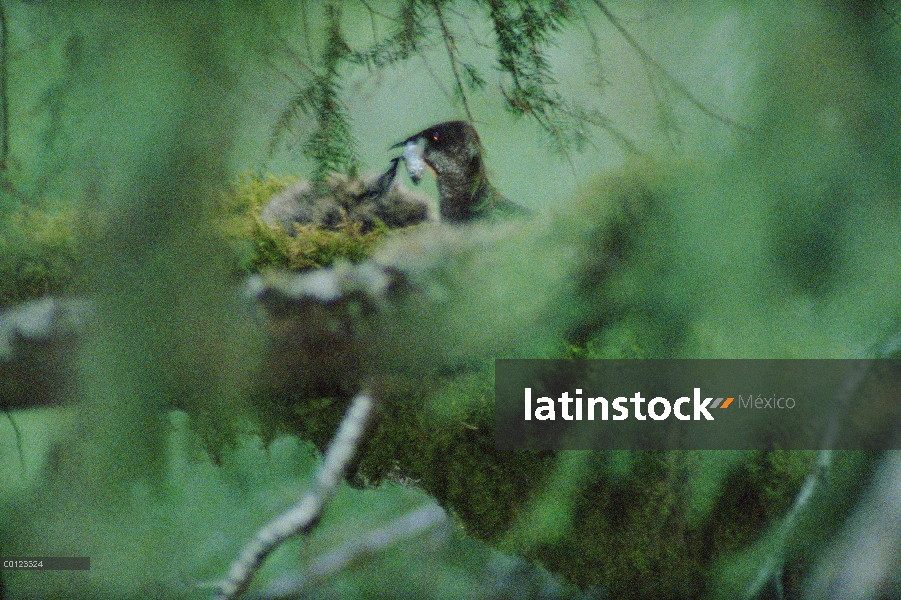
(413, 158)
(414, 149)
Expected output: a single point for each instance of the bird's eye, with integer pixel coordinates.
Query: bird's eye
(435, 137)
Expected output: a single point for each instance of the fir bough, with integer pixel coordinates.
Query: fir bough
(331, 144)
(523, 31)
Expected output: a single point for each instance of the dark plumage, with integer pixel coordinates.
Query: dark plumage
(358, 200)
(454, 152)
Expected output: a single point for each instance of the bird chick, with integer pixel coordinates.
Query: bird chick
(453, 151)
(365, 200)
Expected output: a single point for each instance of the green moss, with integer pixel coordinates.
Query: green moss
(259, 245)
(39, 253)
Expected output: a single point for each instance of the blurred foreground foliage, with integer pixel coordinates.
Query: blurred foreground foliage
(786, 245)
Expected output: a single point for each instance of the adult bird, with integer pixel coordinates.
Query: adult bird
(453, 151)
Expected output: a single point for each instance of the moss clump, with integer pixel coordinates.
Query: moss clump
(39, 253)
(259, 245)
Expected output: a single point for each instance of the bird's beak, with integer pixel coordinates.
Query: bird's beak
(412, 138)
(414, 158)
(384, 182)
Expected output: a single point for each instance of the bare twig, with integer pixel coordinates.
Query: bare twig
(303, 516)
(600, 121)
(406, 527)
(680, 87)
(595, 49)
(473, 36)
(451, 47)
(438, 83)
(18, 433)
(772, 567)
(4, 99)
(303, 66)
(373, 12)
(661, 105)
(863, 561)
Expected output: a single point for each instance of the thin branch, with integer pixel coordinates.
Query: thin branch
(595, 50)
(544, 121)
(301, 64)
(305, 22)
(278, 70)
(646, 57)
(661, 105)
(452, 55)
(404, 528)
(431, 71)
(18, 433)
(473, 36)
(4, 99)
(844, 397)
(373, 12)
(599, 120)
(375, 31)
(303, 516)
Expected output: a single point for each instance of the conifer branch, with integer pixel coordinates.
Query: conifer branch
(407, 40)
(305, 23)
(330, 146)
(520, 40)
